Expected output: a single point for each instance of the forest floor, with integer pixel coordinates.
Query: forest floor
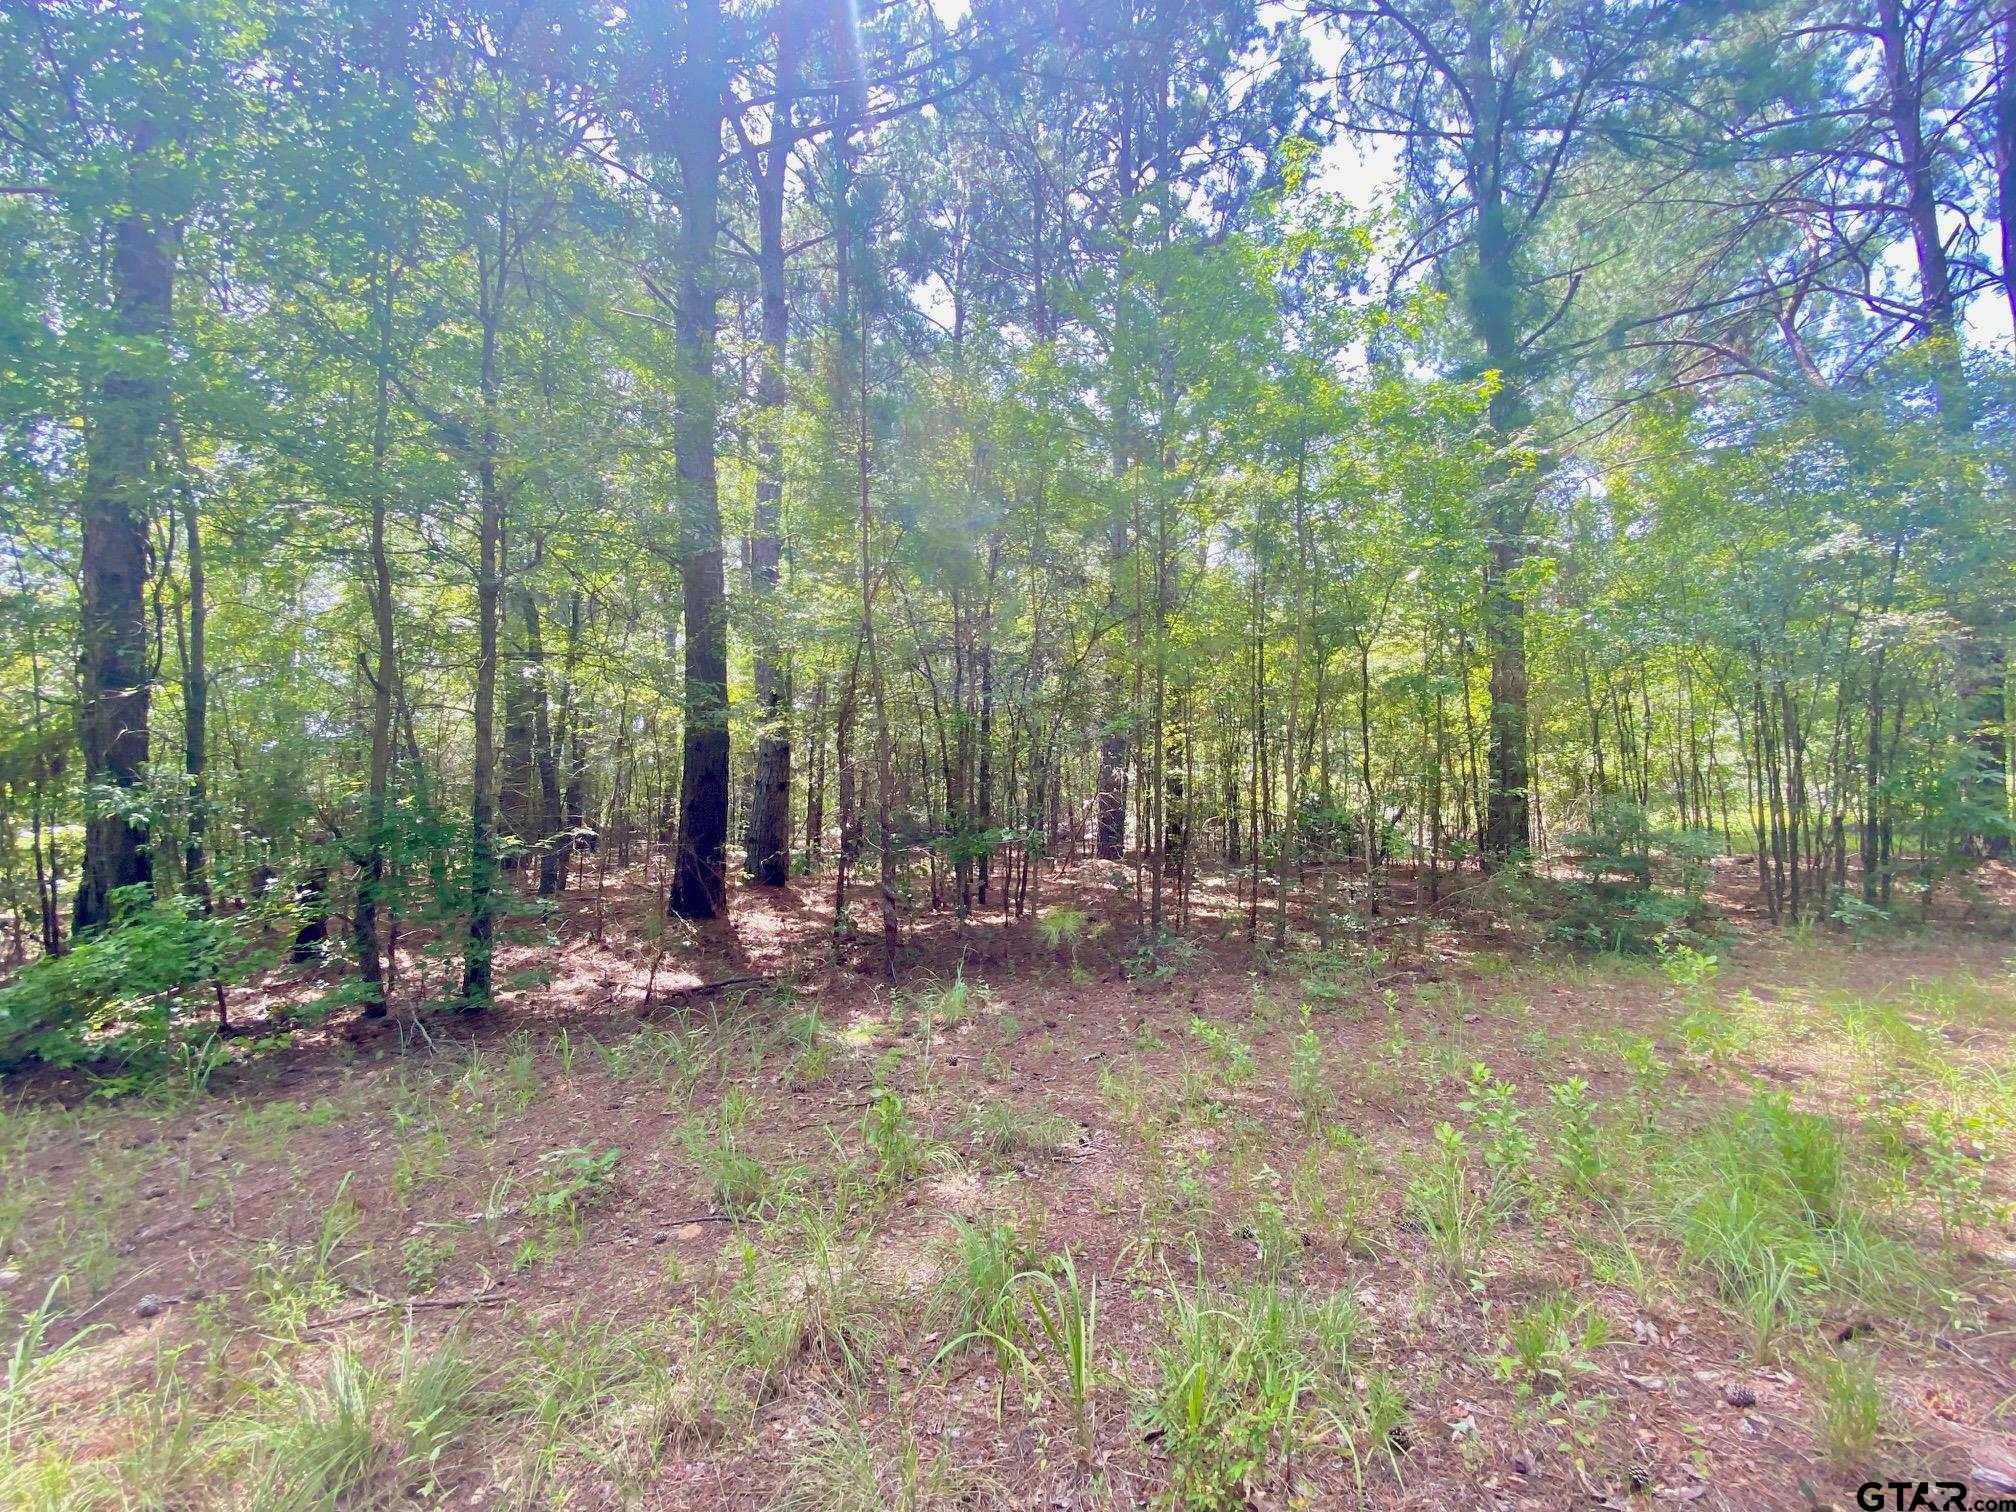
(1734, 1234)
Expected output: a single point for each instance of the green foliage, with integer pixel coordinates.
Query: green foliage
(573, 1182)
(1008, 1129)
(1456, 1206)
(1548, 1345)
(1617, 905)
(979, 1293)
(1848, 1403)
(1247, 1379)
(1309, 1085)
(1763, 1199)
(128, 993)
(1065, 927)
(1044, 1319)
(1509, 1149)
(901, 1151)
(1578, 1147)
(1231, 1053)
(1161, 958)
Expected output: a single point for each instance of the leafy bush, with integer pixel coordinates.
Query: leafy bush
(123, 992)
(1618, 903)
(1161, 958)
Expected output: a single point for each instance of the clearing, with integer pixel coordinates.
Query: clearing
(1456, 1222)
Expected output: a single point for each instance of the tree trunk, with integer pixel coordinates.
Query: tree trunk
(769, 833)
(377, 814)
(490, 569)
(1489, 297)
(124, 432)
(544, 831)
(195, 701)
(699, 877)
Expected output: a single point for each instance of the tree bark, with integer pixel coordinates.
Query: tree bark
(1489, 296)
(490, 569)
(195, 702)
(769, 832)
(125, 431)
(371, 868)
(544, 831)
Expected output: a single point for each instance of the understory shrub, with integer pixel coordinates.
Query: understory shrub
(127, 992)
(1642, 889)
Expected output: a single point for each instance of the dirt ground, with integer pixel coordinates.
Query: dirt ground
(756, 1299)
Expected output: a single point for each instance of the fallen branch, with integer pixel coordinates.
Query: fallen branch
(706, 989)
(492, 1297)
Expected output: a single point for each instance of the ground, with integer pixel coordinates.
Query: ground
(1433, 1216)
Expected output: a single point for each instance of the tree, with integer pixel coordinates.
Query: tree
(1496, 108)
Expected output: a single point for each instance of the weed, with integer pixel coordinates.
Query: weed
(1250, 1379)
(977, 1296)
(1955, 1163)
(743, 1185)
(25, 1412)
(1685, 967)
(1308, 1081)
(561, 1392)
(1055, 1315)
(1277, 1244)
(289, 1285)
(1577, 1150)
(1548, 1345)
(1230, 1052)
(1161, 958)
(949, 1006)
(1641, 1058)
(1065, 1312)
(422, 1258)
(1125, 1095)
(843, 1469)
(1064, 927)
(1330, 1187)
(1230, 1394)
(356, 1433)
(901, 1151)
(1760, 1198)
(1454, 1207)
(521, 1069)
(1848, 1404)
(573, 1182)
(1500, 1125)
(1007, 1129)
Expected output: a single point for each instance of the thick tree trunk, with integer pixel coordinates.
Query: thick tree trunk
(1489, 297)
(699, 876)
(125, 430)
(1984, 653)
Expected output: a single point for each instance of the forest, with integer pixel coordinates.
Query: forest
(927, 753)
